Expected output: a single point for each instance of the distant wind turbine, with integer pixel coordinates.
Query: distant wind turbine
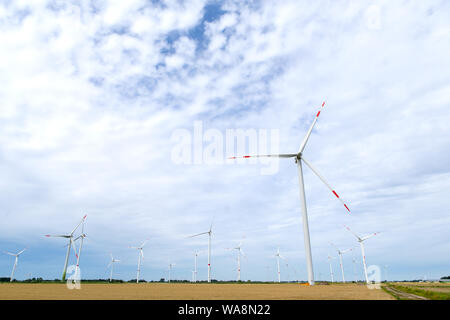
(239, 253)
(16, 261)
(209, 233)
(331, 268)
(69, 246)
(298, 157)
(361, 240)
(278, 256)
(111, 264)
(341, 252)
(140, 255)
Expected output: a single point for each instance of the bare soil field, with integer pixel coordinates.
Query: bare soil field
(185, 291)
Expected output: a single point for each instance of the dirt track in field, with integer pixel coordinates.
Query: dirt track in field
(404, 295)
(185, 291)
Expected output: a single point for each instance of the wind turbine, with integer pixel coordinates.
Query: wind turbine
(209, 233)
(111, 264)
(170, 269)
(341, 252)
(16, 261)
(331, 268)
(69, 246)
(141, 254)
(361, 240)
(194, 272)
(298, 157)
(239, 252)
(81, 236)
(278, 256)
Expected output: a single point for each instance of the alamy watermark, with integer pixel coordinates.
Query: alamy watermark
(374, 277)
(213, 147)
(74, 280)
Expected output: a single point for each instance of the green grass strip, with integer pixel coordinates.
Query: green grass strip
(433, 295)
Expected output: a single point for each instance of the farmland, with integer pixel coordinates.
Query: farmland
(189, 291)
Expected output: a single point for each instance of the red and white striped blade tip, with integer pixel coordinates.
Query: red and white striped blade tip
(337, 196)
(318, 113)
(240, 157)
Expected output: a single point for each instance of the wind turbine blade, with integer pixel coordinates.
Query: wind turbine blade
(369, 236)
(305, 139)
(324, 181)
(347, 250)
(78, 224)
(22, 251)
(285, 155)
(110, 254)
(243, 253)
(72, 243)
(348, 228)
(11, 254)
(57, 235)
(198, 234)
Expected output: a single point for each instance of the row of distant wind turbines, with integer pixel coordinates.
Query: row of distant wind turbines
(238, 248)
(299, 158)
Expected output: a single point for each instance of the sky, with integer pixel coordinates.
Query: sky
(96, 96)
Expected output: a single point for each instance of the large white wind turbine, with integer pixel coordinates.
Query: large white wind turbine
(209, 233)
(239, 253)
(278, 256)
(140, 255)
(340, 253)
(69, 245)
(331, 268)
(298, 160)
(361, 240)
(111, 264)
(16, 261)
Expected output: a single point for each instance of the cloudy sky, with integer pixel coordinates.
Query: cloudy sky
(92, 93)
